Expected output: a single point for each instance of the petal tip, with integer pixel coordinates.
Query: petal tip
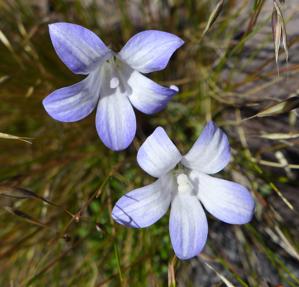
(54, 26)
(249, 202)
(181, 42)
(115, 146)
(159, 129)
(174, 88)
(251, 208)
(192, 254)
(45, 103)
(115, 214)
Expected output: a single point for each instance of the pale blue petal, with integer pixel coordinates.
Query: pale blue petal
(146, 95)
(228, 201)
(144, 206)
(73, 103)
(150, 51)
(115, 119)
(188, 226)
(79, 48)
(158, 155)
(210, 153)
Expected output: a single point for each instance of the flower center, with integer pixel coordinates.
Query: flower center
(110, 76)
(184, 184)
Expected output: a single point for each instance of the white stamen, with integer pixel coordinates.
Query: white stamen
(114, 82)
(184, 184)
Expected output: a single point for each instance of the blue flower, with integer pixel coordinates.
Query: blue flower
(186, 189)
(114, 81)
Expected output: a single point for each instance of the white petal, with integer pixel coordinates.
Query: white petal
(73, 103)
(210, 153)
(226, 200)
(150, 51)
(144, 206)
(188, 226)
(158, 155)
(146, 95)
(79, 48)
(115, 119)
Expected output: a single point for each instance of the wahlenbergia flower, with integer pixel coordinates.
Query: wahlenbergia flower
(186, 189)
(114, 82)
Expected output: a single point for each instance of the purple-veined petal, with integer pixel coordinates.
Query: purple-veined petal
(115, 119)
(188, 225)
(228, 201)
(73, 103)
(144, 206)
(210, 153)
(146, 95)
(79, 48)
(150, 50)
(158, 155)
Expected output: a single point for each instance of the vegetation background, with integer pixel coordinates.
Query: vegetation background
(56, 194)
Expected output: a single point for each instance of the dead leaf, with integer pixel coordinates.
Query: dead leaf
(8, 136)
(280, 136)
(277, 109)
(213, 17)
